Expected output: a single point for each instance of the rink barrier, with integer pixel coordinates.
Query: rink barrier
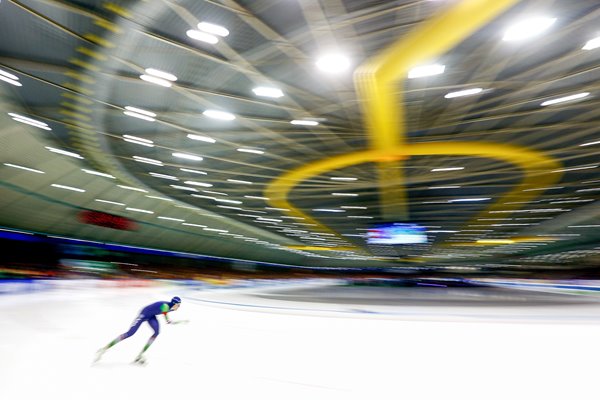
(16, 286)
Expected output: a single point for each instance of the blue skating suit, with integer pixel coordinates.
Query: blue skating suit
(149, 314)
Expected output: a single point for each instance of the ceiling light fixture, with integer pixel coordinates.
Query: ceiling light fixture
(590, 143)
(243, 150)
(9, 78)
(461, 93)
(213, 29)
(216, 114)
(201, 138)
(566, 98)
(268, 92)
(333, 63)
(148, 160)
(528, 28)
(426, 70)
(202, 36)
(193, 171)
(132, 188)
(187, 156)
(67, 188)
(24, 168)
(194, 183)
(156, 80)
(89, 171)
(592, 44)
(161, 74)
(447, 169)
(239, 181)
(304, 122)
(139, 210)
(64, 152)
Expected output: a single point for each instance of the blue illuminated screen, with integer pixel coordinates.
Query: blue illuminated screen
(397, 233)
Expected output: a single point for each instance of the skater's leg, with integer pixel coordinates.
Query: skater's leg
(156, 327)
(133, 329)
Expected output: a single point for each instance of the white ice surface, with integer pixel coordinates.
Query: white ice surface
(48, 341)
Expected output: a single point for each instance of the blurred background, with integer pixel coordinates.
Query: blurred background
(395, 165)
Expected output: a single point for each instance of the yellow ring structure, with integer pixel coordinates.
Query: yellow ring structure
(376, 83)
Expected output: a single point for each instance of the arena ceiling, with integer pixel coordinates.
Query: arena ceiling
(495, 176)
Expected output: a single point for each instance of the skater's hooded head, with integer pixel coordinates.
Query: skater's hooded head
(175, 303)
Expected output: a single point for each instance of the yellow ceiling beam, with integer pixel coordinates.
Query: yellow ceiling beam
(376, 82)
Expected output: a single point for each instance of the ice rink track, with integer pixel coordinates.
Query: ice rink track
(242, 346)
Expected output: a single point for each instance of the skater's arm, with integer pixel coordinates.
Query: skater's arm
(165, 309)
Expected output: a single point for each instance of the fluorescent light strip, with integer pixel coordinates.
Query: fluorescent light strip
(461, 93)
(257, 197)
(159, 198)
(163, 176)
(197, 225)
(33, 121)
(140, 111)
(592, 44)
(566, 98)
(138, 142)
(109, 202)
(227, 201)
(189, 189)
(148, 160)
(202, 36)
(155, 80)
(216, 114)
(139, 210)
(8, 75)
(211, 192)
(193, 171)
(89, 171)
(200, 196)
(161, 74)
(23, 121)
(590, 143)
(268, 92)
(239, 181)
(360, 216)
(447, 169)
(64, 152)
(426, 70)
(276, 209)
(140, 116)
(172, 219)
(194, 183)
(24, 168)
(215, 230)
(528, 28)
(8, 80)
(251, 151)
(304, 122)
(328, 210)
(345, 194)
(201, 138)
(588, 190)
(68, 188)
(469, 199)
(229, 207)
(139, 139)
(213, 29)
(443, 187)
(132, 188)
(354, 207)
(187, 156)
(575, 168)
(341, 178)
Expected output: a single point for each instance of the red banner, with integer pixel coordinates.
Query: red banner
(107, 220)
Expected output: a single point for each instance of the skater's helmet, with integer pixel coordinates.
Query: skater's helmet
(175, 300)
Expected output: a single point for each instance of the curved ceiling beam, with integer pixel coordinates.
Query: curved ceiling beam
(534, 166)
